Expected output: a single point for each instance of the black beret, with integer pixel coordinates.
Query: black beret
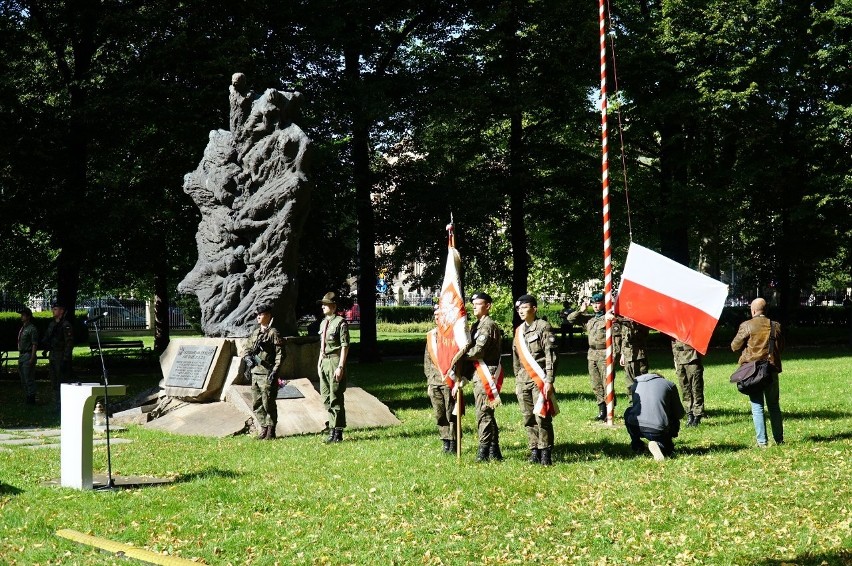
(526, 300)
(484, 296)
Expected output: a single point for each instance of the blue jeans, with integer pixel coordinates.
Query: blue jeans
(663, 438)
(771, 394)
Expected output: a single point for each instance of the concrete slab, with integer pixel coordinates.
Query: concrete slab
(100, 481)
(202, 419)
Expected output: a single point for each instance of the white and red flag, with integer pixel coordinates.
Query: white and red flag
(672, 298)
(452, 336)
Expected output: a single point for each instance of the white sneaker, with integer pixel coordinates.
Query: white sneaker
(656, 451)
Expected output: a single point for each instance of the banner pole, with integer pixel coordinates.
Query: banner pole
(610, 375)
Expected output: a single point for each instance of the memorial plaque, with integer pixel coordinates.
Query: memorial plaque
(191, 365)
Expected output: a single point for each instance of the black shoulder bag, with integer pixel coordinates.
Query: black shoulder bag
(752, 377)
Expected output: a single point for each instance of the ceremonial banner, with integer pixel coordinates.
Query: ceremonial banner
(452, 334)
(672, 298)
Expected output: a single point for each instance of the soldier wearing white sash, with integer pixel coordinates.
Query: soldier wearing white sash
(483, 368)
(534, 361)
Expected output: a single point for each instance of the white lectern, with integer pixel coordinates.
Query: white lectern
(78, 403)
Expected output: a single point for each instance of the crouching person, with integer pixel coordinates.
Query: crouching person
(655, 415)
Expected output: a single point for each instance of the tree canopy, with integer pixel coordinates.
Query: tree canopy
(735, 119)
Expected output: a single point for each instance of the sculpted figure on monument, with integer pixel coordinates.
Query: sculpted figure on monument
(253, 191)
(240, 99)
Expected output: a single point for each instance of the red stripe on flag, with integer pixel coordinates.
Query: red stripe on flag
(666, 314)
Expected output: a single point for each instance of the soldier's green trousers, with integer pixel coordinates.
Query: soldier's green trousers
(264, 399)
(333, 392)
(539, 429)
(486, 424)
(691, 377)
(631, 370)
(442, 406)
(27, 373)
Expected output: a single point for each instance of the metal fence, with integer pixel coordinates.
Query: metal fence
(120, 313)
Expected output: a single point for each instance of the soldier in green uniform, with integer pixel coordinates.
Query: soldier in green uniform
(690, 372)
(596, 332)
(534, 360)
(633, 340)
(482, 361)
(439, 393)
(27, 354)
(263, 357)
(331, 366)
(59, 340)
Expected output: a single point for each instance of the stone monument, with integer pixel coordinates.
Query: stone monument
(253, 191)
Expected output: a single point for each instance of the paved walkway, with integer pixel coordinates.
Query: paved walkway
(44, 438)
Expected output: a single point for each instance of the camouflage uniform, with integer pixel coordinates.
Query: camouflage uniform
(485, 347)
(542, 344)
(59, 340)
(265, 346)
(27, 344)
(632, 344)
(440, 396)
(690, 372)
(596, 332)
(334, 333)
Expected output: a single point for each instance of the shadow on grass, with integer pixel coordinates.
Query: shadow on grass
(570, 452)
(208, 473)
(6, 489)
(841, 557)
(788, 415)
(829, 437)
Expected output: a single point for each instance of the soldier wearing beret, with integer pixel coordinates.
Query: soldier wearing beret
(534, 361)
(632, 341)
(690, 372)
(27, 354)
(596, 332)
(482, 365)
(331, 366)
(440, 394)
(263, 357)
(59, 341)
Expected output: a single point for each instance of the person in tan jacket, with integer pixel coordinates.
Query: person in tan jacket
(753, 339)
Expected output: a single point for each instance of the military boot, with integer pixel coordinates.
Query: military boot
(601, 412)
(535, 456)
(31, 399)
(690, 419)
(494, 452)
(453, 448)
(264, 431)
(338, 435)
(484, 452)
(545, 457)
(270, 433)
(332, 436)
(696, 420)
(446, 445)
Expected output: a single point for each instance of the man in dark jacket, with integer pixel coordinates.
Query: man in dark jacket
(654, 414)
(753, 338)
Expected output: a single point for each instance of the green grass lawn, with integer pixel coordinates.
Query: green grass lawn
(388, 496)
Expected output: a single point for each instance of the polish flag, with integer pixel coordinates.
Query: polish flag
(452, 335)
(672, 298)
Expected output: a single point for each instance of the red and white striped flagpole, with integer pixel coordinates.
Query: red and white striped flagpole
(610, 376)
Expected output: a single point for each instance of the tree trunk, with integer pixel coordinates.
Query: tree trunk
(674, 235)
(517, 166)
(517, 195)
(161, 306)
(369, 348)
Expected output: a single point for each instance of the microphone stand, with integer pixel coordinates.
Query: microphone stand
(110, 481)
